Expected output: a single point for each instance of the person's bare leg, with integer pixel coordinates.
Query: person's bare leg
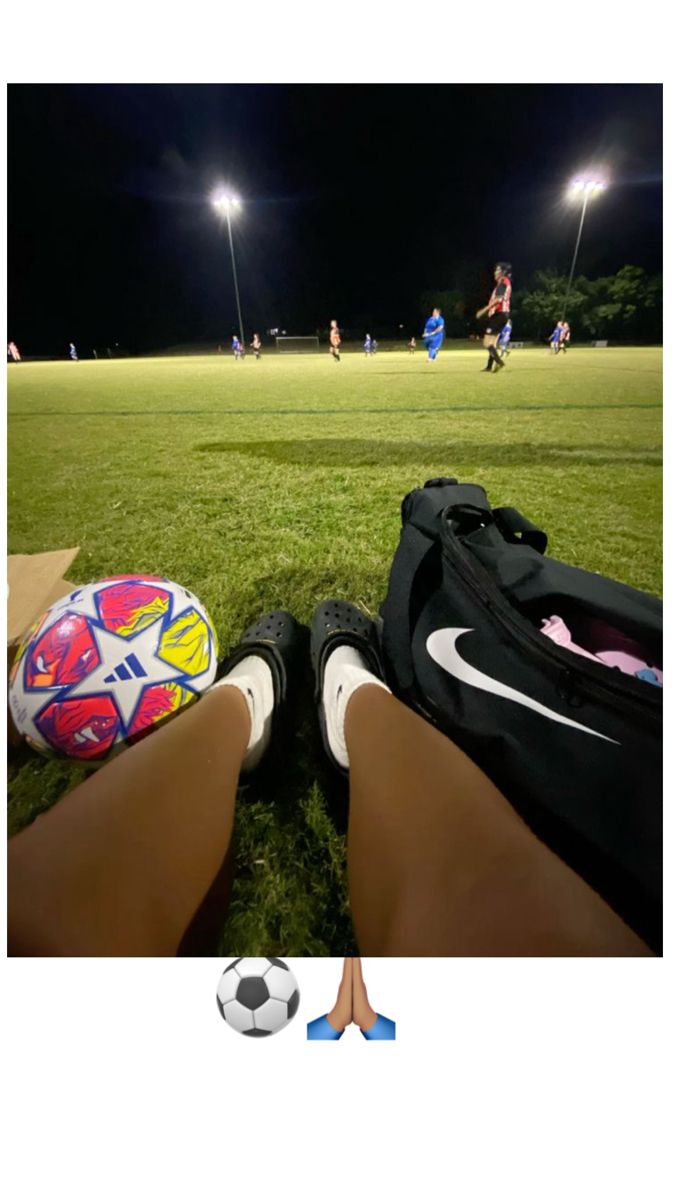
(123, 862)
(340, 1015)
(364, 1013)
(440, 863)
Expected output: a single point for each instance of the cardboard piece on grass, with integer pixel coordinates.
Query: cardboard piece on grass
(34, 581)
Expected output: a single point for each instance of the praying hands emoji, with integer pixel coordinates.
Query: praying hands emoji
(351, 1007)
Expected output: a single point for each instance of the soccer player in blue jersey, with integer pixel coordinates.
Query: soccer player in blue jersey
(368, 346)
(555, 337)
(237, 348)
(434, 332)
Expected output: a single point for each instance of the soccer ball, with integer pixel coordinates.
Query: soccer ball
(105, 665)
(258, 996)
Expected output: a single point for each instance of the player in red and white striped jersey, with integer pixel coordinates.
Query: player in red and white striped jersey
(496, 314)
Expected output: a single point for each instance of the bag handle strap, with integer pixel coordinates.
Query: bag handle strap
(514, 527)
(465, 518)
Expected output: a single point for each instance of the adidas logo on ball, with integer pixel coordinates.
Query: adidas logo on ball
(126, 669)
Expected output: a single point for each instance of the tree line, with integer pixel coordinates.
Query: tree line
(625, 307)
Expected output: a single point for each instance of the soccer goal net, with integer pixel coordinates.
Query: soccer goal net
(297, 345)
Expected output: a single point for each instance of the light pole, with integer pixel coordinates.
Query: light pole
(226, 203)
(585, 188)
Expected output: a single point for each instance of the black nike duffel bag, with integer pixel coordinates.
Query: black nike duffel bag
(575, 745)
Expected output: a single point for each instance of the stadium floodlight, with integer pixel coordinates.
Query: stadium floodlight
(585, 188)
(587, 185)
(223, 201)
(226, 202)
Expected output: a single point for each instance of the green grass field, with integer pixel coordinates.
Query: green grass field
(278, 483)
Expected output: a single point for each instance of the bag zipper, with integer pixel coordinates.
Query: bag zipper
(478, 580)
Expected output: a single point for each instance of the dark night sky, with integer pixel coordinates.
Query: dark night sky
(357, 199)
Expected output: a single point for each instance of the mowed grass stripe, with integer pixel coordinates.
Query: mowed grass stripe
(314, 412)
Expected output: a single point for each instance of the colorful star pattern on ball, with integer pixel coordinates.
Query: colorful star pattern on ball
(109, 662)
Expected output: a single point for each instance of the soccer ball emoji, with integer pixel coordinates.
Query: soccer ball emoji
(258, 996)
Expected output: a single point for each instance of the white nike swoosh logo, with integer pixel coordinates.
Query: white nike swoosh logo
(442, 647)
